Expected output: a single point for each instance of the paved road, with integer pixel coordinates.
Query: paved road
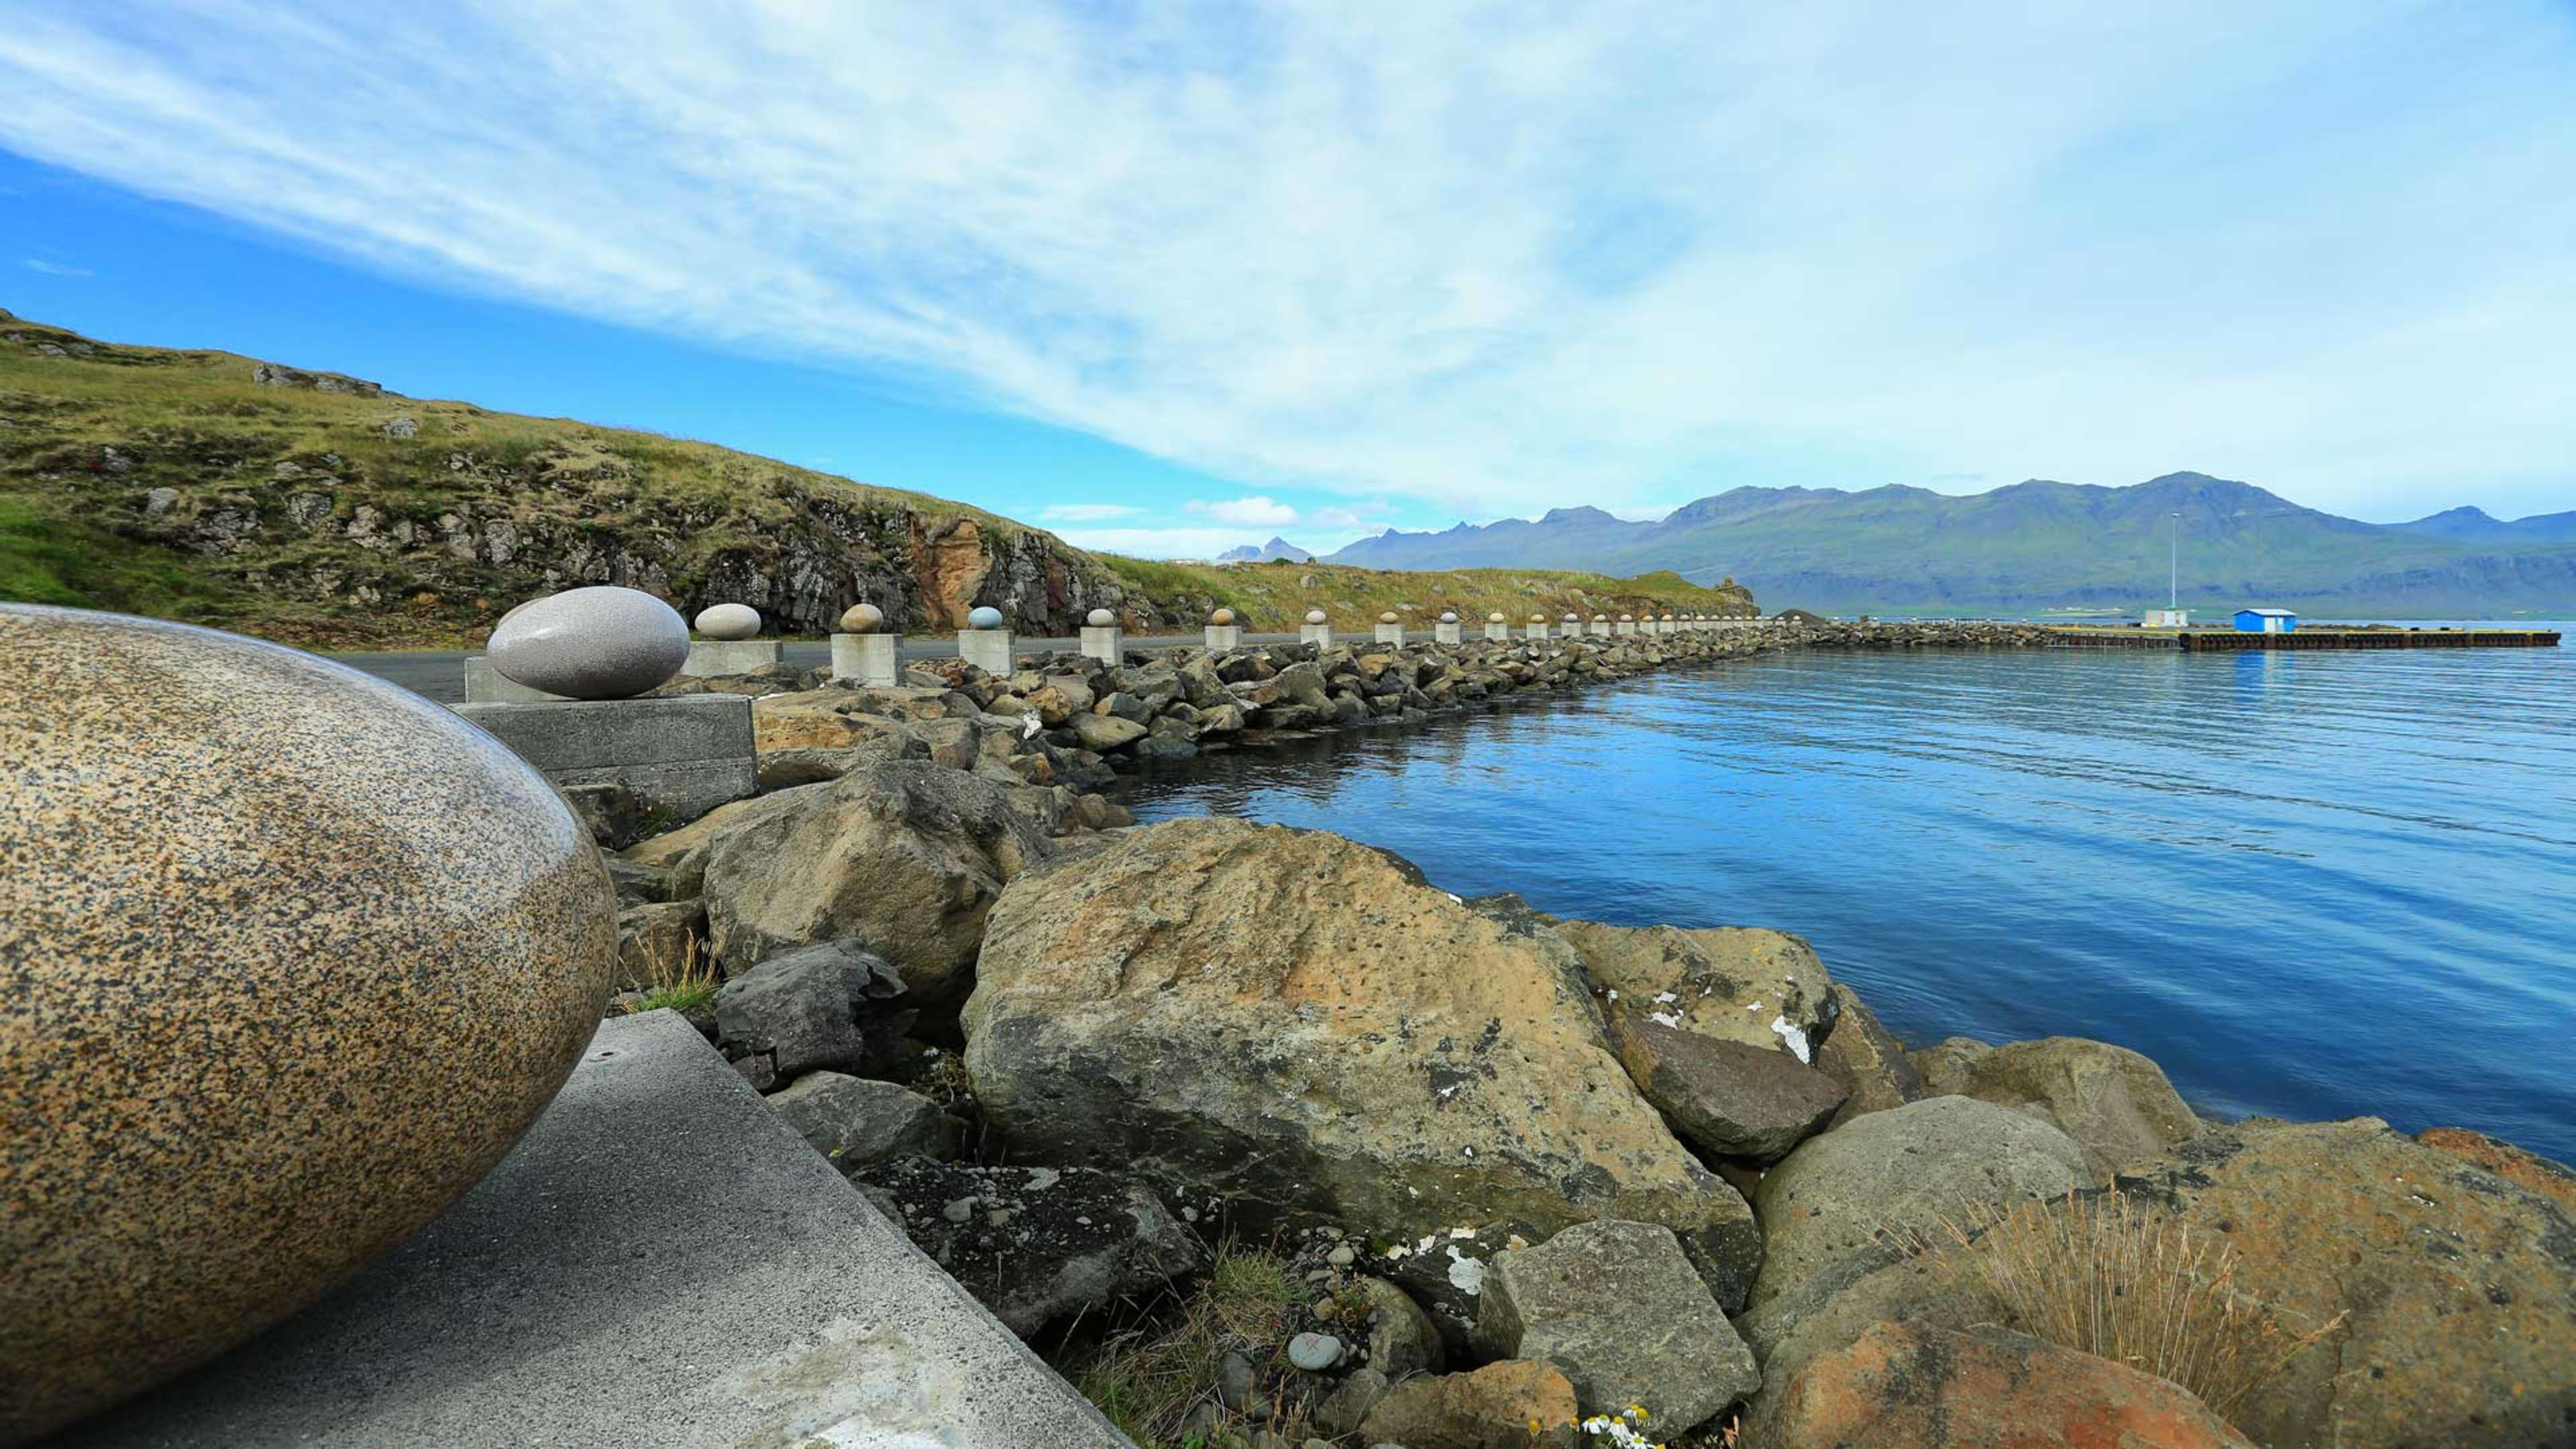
(439, 674)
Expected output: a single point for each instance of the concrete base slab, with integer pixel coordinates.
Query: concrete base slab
(1223, 636)
(1600, 629)
(1444, 634)
(1319, 635)
(659, 1264)
(1390, 634)
(867, 659)
(1538, 633)
(1104, 642)
(487, 685)
(729, 656)
(987, 649)
(685, 754)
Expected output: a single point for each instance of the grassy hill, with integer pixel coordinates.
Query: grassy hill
(2031, 547)
(1275, 596)
(319, 509)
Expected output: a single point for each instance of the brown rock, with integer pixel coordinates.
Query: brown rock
(1307, 1027)
(1724, 1097)
(1728, 982)
(289, 957)
(1865, 1060)
(826, 719)
(660, 941)
(2552, 1180)
(904, 857)
(2115, 1103)
(1495, 1407)
(1905, 1386)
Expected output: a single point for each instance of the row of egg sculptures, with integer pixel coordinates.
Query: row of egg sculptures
(329, 949)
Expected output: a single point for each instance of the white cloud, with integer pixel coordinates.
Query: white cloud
(1086, 512)
(56, 269)
(1189, 542)
(1253, 512)
(1495, 256)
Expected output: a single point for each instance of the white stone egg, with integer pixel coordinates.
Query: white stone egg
(600, 642)
(1100, 619)
(728, 621)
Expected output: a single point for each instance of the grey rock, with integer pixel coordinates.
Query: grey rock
(858, 1123)
(1234, 1382)
(660, 942)
(399, 428)
(1865, 1060)
(1618, 1309)
(1402, 1338)
(1341, 1411)
(600, 642)
(1314, 1352)
(1073, 1239)
(1828, 1209)
(1726, 1097)
(1106, 732)
(2116, 1104)
(802, 1009)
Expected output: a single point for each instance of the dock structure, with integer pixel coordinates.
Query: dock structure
(2220, 641)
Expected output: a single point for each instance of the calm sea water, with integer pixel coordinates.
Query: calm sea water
(2310, 885)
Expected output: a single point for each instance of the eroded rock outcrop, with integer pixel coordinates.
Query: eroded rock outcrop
(1905, 1386)
(1304, 1026)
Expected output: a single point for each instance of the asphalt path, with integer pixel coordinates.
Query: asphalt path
(439, 674)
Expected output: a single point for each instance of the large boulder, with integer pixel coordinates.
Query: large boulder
(2441, 1294)
(858, 1123)
(2459, 1283)
(1830, 1205)
(1733, 983)
(904, 856)
(1305, 1026)
(1037, 1244)
(1865, 1060)
(1906, 1386)
(1618, 1309)
(1511, 1405)
(2115, 1103)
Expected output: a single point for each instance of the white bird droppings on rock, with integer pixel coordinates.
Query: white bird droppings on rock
(1795, 1038)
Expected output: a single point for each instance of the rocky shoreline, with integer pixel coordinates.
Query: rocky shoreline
(1512, 1171)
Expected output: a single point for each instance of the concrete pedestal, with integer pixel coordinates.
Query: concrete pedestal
(1319, 635)
(1538, 633)
(867, 659)
(487, 685)
(1106, 643)
(729, 656)
(1600, 628)
(1625, 627)
(1444, 633)
(1390, 634)
(683, 755)
(659, 1264)
(987, 649)
(1498, 633)
(1224, 636)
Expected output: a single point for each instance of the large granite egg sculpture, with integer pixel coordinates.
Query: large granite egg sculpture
(728, 621)
(600, 642)
(289, 957)
(862, 619)
(986, 617)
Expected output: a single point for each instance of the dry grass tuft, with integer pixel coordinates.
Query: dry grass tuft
(2115, 1278)
(1150, 1377)
(680, 979)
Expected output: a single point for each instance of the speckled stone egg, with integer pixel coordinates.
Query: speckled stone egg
(1100, 618)
(1387, 618)
(1314, 616)
(1448, 616)
(728, 621)
(1221, 617)
(289, 957)
(862, 619)
(591, 643)
(986, 617)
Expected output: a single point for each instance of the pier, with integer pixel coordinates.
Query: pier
(2220, 641)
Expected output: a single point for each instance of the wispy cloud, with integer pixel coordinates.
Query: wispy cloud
(1496, 256)
(1086, 512)
(56, 269)
(1253, 512)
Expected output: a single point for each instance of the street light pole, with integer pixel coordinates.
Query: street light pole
(2173, 562)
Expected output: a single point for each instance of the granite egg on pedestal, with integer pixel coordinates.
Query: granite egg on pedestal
(600, 642)
(1314, 616)
(1100, 618)
(862, 619)
(289, 957)
(985, 617)
(1221, 617)
(728, 621)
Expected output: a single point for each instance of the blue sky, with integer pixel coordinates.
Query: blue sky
(1168, 278)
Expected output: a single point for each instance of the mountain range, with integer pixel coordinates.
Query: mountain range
(1276, 548)
(2041, 546)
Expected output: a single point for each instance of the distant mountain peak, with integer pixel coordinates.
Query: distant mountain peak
(1276, 548)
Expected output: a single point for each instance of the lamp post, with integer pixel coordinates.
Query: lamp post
(2173, 562)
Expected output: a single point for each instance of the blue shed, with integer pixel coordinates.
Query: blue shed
(2266, 621)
